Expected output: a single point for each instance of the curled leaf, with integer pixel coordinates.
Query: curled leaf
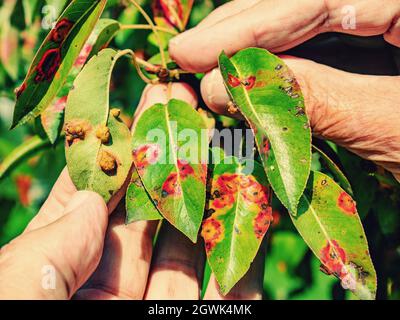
(96, 139)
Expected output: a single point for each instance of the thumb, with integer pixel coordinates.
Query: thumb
(60, 256)
(351, 110)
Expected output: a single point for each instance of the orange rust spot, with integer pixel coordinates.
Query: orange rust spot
(171, 187)
(262, 222)
(76, 131)
(20, 90)
(103, 134)
(333, 258)
(145, 156)
(108, 163)
(184, 169)
(115, 112)
(212, 233)
(347, 204)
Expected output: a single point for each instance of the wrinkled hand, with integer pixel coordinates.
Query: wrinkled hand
(359, 112)
(97, 257)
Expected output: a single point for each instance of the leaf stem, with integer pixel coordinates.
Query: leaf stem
(136, 63)
(153, 27)
(147, 27)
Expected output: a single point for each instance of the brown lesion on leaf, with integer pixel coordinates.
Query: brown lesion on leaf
(108, 163)
(212, 233)
(48, 65)
(61, 30)
(115, 112)
(76, 131)
(103, 134)
(346, 203)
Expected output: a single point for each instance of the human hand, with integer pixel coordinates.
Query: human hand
(358, 112)
(91, 256)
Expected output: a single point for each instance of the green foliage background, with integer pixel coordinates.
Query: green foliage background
(292, 272)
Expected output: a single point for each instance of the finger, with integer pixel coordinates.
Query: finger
(349, 109)
(259, 26)
(53, 208)
(225, 11)
(154, 94)
(277, 26)
(68, 250)
(124, 268)
(250, 287)
(177, 267)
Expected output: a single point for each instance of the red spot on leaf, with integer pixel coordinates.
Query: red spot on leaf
(262, 222)
(145, 156)
(171, 187)
(333, 258)
(61, 30)
(24, 184)
(212, 233)
(184, 169)
(48, 65)
(253, 191)
(83, 55)
(248, 83)
(266, 147)
(347, 204)
(20, 90)
(224, 200)
(228, 183)
(233, 81)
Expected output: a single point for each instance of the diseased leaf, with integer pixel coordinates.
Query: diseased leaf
(241, 214)
(172, 13)
(329, 223)
(52, 117)
(55, 58)
(105, 31)
(269, 97)
(139, 206)
(336, 172)
(168, 153)
(96, 148)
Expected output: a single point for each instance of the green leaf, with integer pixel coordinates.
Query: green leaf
(329, 223)
(55, 59)
(52, 117)
(105, 31)
(336, 172)
(240, 216)
(171, 164)
(97, 155)
(269, 97)
(21, 153)
(139, 206)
